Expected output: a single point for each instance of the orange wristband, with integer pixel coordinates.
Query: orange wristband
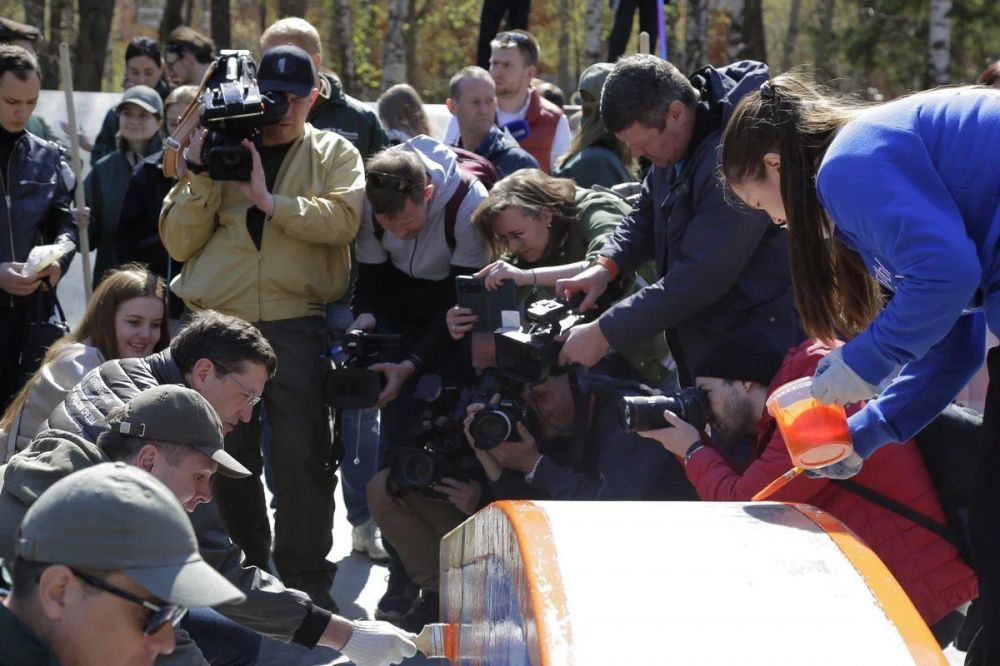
(609, 264)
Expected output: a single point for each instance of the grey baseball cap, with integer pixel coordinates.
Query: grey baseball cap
(179, 415)
(115, 516)
(144, 97)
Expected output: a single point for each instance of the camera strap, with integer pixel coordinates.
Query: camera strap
(174, 145)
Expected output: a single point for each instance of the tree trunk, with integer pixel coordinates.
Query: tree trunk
(592, 47)
(34, 13)
(755, 46)
(49, 56)
(736, 13)
(695, 35)
(394, 50)
(343, 30)
(291, 8)
(788, 48)
(221, 24)
(565, 82)
(939, 43)
(92, 43)
(171, 18)
(824, 36)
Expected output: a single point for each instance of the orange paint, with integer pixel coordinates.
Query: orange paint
(451, 641)
(778, 484)
(897, 606)
(815, 434)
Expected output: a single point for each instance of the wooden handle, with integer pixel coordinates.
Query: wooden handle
(778, 484)
(74, 141)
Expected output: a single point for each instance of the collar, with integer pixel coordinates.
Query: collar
(24, 646)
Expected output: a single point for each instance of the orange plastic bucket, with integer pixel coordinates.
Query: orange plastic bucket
(816, 434)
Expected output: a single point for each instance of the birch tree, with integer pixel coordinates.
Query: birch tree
(394, 50)
(939, 43)
(592, 22)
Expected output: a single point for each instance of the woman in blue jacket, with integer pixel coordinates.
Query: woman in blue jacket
(902, 196)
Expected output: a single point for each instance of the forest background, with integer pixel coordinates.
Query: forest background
(878, 49)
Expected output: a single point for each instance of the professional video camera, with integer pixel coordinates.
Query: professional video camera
(645, 412)
(234, 109)
(529, 355)
(437, 447)
(350, 384)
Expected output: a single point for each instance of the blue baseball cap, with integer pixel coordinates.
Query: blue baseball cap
(286, 68)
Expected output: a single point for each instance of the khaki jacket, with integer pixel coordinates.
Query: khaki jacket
(304, 261)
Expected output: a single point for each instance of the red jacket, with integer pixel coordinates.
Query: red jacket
(543, 118)
(928, 568)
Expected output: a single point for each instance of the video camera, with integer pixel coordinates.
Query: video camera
(529, 355)
(350, 384)
(234, 109)
(437, 447)
(638, 413)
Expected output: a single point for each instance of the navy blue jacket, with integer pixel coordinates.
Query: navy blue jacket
(724, 270)
(506, 154)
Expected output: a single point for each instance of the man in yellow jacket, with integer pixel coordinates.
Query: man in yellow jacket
(274, 251)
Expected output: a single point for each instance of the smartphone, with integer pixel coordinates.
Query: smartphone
(495, 309)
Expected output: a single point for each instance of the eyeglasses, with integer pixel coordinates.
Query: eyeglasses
(513, 237)
(402, 184)
(504, 39)
(252, 396)
(160, 615)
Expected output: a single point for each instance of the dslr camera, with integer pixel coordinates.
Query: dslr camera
(496, 423)
(350, 384)
(645, 412)
(233, 109)
(529, 355)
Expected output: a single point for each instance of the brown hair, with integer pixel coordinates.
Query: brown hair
(393, 177)
(525, 43)
(534, 192)
(97, 326)
(792, 116)
(400, 108)
(990, 75)
(225, 340)
(292, 30)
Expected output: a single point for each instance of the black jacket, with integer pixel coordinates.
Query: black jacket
(38, 185)
(270, 608)
(724, 269)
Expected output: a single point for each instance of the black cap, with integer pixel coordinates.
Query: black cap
(286, 68)
(741, 358)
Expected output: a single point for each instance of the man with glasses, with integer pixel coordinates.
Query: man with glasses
(188, 55)
(416, 237)
(106, 565)
(274, 251)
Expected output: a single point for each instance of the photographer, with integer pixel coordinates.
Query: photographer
(274, 251)
(720, 269)
(738, 376)
(542, 229)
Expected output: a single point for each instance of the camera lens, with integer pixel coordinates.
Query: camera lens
(489, 428)
(417, 471)
(638, 412)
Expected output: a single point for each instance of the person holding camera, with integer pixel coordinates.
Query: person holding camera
(737, 377)
(541, 229)
(275, 250)
(720, 268)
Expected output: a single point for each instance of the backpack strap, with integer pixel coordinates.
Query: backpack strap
(454, 203)
(900, 509)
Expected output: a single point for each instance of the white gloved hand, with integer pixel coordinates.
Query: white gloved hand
(836, 382)
(378, 644)
(844, 469)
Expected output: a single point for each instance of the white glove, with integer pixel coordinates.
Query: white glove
(836, 382)
(844, 469)
(378, 644)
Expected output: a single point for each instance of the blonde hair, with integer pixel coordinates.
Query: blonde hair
(292, 30)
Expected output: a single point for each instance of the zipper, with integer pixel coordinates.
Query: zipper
(413, 254)
(10, 219)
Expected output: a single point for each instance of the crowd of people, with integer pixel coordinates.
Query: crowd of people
(444, 322)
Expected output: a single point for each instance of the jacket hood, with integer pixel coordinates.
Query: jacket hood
(721, 88)
(441, 165)
(52, 455)
(331, 89)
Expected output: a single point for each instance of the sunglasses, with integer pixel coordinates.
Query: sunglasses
(508, 38)
(391, 181)
(160, 615)
(252, 396)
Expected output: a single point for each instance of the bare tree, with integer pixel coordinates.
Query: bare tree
(34, 13)
(92, 43)
(291, 8)
(49, 55)
(939, 43)
(171, 18)
(564, 20)
(394, 49)
(788, 48)
(343, 36)
(825, 33)
(417, 12)
(592, 22)
(695, 35)
(221, 24)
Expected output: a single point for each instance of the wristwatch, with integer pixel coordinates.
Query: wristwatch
(691, 451)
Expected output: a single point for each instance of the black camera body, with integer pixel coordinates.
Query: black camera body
(497, 424)
(638, 413)
(529, 355)
(349, 384)
(233, 109)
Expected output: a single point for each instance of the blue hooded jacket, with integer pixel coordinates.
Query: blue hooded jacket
(914, 187)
